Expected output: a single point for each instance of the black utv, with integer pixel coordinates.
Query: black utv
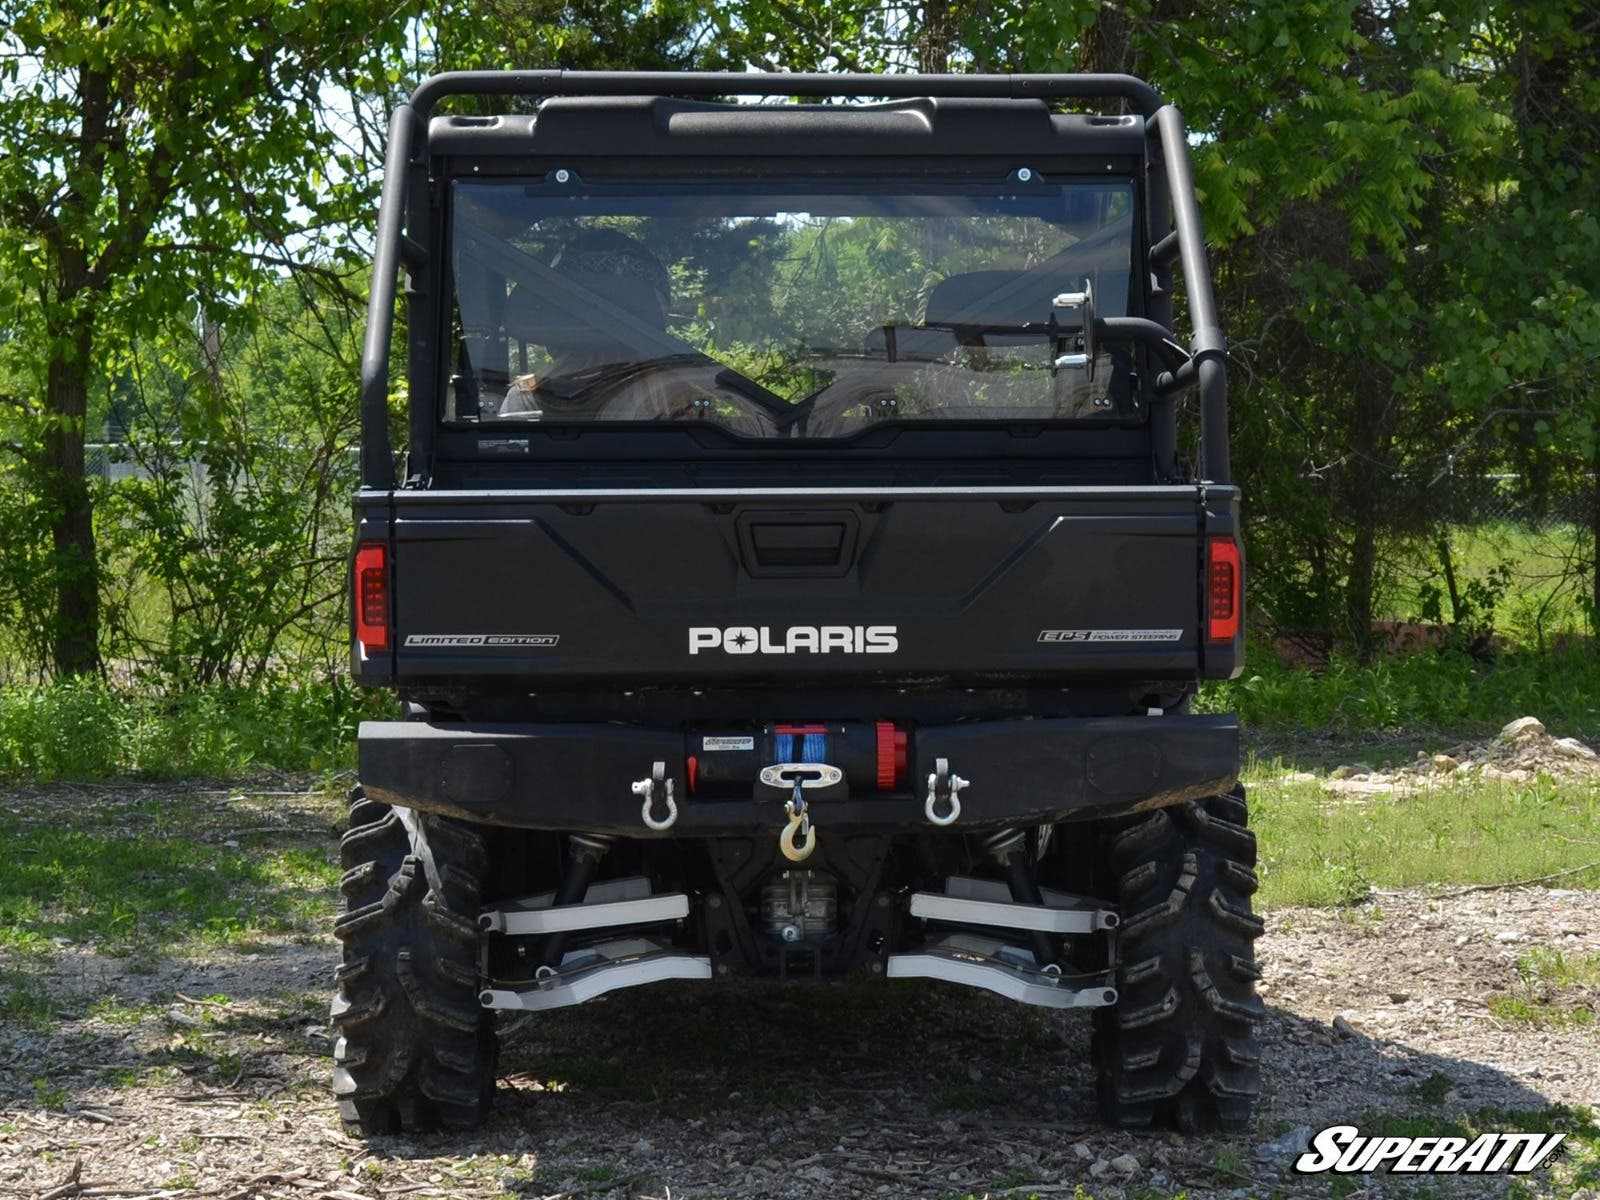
(810, 534)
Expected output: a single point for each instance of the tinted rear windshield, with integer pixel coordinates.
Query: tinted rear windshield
(808, 312)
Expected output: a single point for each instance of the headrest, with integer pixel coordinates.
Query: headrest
(992, 298)
(550, 314)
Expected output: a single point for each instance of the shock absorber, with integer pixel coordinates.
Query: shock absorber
(1008, 847)
(584, 852)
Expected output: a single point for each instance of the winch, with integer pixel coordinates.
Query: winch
(872, 757)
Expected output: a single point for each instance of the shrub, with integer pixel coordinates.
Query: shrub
(86, 728)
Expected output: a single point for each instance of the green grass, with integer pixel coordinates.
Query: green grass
(129, 894)
(86, 728)
(1555, 991)
(1543, 597)
(1433, 1089)
(1555, 968)
(113, 1010)
(1520, 1010)
(1576, 1164)
(24, 1003)
(1430, 690)
(1320, 850)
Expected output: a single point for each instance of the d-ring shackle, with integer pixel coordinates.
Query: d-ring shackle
(943, 785)
(648, 788)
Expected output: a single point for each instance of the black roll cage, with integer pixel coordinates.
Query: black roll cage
(1174, 232)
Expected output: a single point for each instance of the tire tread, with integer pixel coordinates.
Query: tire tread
(1179, 1047)
(415, 1050)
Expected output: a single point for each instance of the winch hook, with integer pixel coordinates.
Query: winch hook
(799, 823)
(786, 841)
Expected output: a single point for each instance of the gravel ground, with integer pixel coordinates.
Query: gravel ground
(870, 1089)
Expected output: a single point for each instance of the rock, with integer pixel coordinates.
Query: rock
(1463, 938)
(1507, 936)
(1522, 727)
(1125, 1164)
(1287, 1146)
(819, 1175)
(1399, 997)
(1350, 771)
(1444, 764)
(1572, 748)
(1342, 1027)
(179, 1015)
(1081, 1149)
(1099, 1168)
(644, 1146)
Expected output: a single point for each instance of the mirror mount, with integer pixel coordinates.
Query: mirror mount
(1077, 309)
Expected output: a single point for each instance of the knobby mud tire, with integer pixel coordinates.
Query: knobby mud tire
(414, 1049)
(1179, 1048)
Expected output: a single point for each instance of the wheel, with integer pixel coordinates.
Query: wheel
(415, 1050)
(1179, 1046)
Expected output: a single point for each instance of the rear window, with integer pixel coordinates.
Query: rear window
(801, 313)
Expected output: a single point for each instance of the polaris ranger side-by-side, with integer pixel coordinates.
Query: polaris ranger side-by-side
(810, 535)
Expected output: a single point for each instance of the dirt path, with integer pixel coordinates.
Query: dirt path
(744, 1091)
(205, 1076)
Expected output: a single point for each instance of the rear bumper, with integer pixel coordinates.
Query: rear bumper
(579, 777)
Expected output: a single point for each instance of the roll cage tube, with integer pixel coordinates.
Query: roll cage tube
(1205, 365)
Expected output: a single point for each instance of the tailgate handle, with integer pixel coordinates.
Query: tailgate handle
(797, 544)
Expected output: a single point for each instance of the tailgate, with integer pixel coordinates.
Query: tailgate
(788, 583)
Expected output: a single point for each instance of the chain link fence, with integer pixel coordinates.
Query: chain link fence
(1470, 499)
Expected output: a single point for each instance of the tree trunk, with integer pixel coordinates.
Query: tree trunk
(1107, 45)
(1594, 541)
(936, 37)
(1367, 494)
(1359, 586)
(76, 637)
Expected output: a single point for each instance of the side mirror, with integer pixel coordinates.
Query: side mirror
(1074, 310)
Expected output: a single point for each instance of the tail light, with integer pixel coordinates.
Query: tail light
(372, 596)
(1224, 589)
(892, 754)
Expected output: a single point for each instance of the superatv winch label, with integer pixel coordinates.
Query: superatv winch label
(727, 743)
(796, 639)
(493, 640)
(1110, 635)
(1345, 1149)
